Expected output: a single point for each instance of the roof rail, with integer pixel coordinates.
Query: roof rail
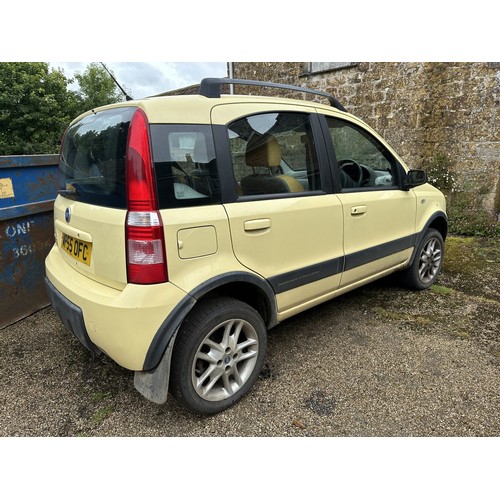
(211, 87)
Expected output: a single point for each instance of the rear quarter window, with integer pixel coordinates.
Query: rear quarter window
(185, 165)
(92, 162)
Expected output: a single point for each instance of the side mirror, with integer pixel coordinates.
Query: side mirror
(415, 178)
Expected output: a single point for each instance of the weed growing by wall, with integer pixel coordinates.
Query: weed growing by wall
(464, 202)
(439, 173)
(467, 217)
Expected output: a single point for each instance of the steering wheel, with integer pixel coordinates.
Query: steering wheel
(356, 173)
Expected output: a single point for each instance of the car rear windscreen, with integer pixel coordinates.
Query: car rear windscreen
(92, 161)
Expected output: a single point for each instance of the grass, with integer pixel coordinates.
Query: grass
(99, 396)
(442, 290)
(397, 316)
(101, 414)
(461, 255)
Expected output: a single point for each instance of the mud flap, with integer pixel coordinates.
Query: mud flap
(153, 384)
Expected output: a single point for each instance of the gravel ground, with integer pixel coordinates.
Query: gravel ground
(380, 361)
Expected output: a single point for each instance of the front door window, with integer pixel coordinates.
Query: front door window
(364, 163)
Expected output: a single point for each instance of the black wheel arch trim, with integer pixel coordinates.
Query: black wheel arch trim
(173, 321)
(420, 235)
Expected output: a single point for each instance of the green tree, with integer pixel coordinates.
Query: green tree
(35, 108)
(97, 88)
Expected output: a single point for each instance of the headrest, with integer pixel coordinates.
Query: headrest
(200, 154)
(263, 151)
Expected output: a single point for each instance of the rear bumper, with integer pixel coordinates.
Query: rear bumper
(120, 323)
(71, 316)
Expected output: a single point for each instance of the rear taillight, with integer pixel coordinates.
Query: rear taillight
(146, 262)
(146, 258)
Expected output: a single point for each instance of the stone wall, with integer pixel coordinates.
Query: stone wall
(443, 117)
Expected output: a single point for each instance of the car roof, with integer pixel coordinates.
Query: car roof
(197, 109)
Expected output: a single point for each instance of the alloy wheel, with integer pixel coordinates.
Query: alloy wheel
(225, 360)
(430, 260)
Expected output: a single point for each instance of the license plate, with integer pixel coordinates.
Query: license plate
(79, 250)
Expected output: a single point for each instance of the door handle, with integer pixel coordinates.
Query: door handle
(359, 210)
(257, 224)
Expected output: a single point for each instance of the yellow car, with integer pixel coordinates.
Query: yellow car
(188, 226)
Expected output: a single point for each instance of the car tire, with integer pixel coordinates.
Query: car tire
(218, 355)
(427, 262)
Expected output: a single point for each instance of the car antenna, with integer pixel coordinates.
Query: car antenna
(127, 97)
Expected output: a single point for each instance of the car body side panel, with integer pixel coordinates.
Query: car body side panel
(199, 245)
(429, 201)
(299, 242)
(379, 231)
(318, 298)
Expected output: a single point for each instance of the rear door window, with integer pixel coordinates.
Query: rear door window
(92, 163)
(274, 154)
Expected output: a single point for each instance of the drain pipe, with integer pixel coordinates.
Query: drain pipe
(230, 74)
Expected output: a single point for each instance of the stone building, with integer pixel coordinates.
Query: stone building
(443, 117)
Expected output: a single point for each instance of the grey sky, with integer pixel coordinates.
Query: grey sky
(144, 79)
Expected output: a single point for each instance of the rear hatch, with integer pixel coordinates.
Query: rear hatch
(118, 175)
(90, 213)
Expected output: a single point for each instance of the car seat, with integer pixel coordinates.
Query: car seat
(263, 151)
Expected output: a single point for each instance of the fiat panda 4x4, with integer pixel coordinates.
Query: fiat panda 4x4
(188, 226)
